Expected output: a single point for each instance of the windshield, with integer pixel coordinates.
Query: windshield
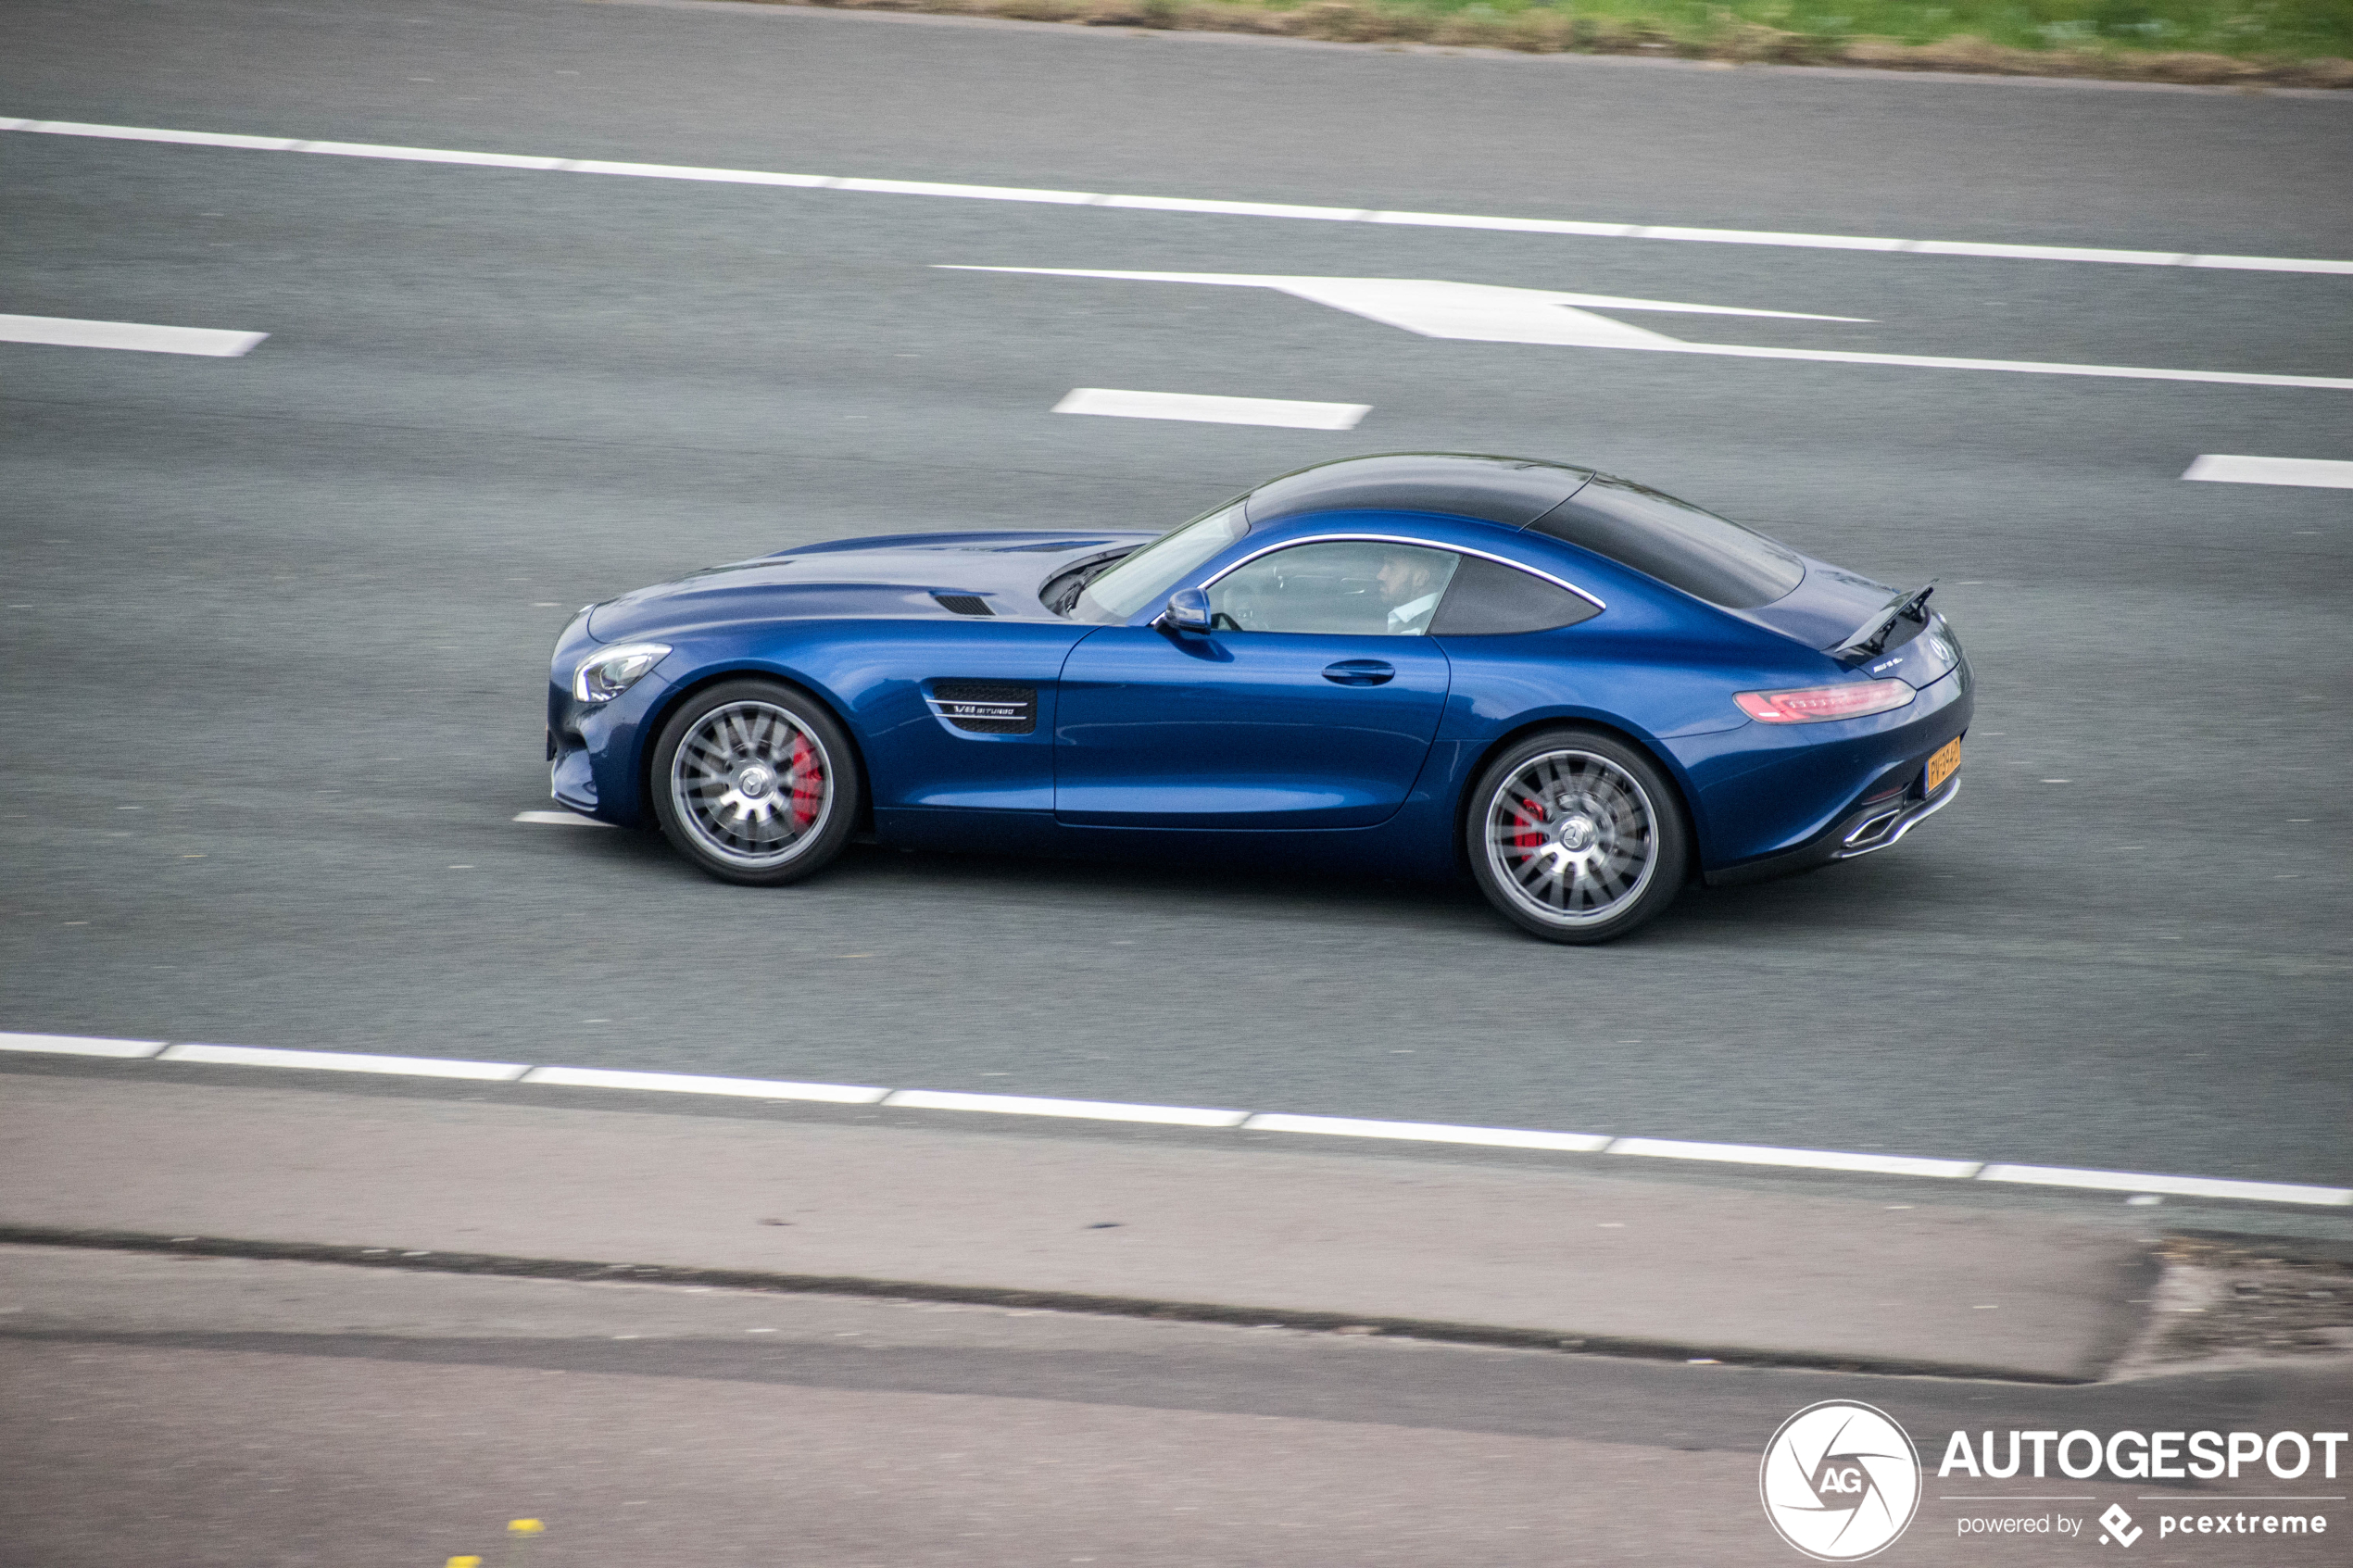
(1158, 566)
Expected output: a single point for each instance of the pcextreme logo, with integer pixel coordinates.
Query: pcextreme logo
(1840, 1481)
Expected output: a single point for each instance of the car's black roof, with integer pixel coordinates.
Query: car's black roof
(1512, 491)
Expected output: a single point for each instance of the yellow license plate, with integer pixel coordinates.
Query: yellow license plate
(1944, 764)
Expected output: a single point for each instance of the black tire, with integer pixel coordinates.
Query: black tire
(1576, 836)
(768, 788)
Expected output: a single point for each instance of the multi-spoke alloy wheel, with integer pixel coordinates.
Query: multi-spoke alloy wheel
(1577, 838)
(755, 783)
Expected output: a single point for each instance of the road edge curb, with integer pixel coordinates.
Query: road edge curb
(585, 1271)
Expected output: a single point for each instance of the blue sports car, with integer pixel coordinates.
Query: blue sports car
(1581, 690)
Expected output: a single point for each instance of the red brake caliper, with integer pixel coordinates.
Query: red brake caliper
(1528, 835)
(809, 784)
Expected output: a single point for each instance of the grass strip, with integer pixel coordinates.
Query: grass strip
(2207, 42)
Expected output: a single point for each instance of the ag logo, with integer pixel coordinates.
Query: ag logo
(1840, 1481)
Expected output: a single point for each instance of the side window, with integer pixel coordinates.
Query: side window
(1362, 587)
(1686, 547)
(1488, 599)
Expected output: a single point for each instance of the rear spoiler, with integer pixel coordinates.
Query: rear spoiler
(1871, 636)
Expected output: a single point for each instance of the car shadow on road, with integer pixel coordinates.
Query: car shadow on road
(1828, 901)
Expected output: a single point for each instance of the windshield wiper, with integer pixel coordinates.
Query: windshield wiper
(1871, 636)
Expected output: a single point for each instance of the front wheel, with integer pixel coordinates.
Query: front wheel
(755, 783)
(1576, 836)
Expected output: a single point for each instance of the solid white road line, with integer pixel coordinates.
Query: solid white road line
(1184, 1116)
(1088, 1109)
(78, 1044)
(559, 820)
(2183, 1186)
(2027, 366)
(2226, 468)
(693, 1083)
(1799, 1159)
(1178, 204)
(349, 1061)
(1210, 410)
(1425, 1132)
(67, 332)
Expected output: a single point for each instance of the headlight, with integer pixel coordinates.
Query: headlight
(608, 672)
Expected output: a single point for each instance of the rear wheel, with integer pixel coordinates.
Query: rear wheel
(1576, 836)
(755, 783)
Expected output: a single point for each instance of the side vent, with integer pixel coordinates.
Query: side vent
(963, 604)
(986, 707)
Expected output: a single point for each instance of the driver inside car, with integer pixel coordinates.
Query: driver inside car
(1410, 587)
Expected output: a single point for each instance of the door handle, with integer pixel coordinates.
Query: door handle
(1360, 672)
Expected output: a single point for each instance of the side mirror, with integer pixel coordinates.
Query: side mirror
(1187, 613)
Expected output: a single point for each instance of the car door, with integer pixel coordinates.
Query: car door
(1310, 704)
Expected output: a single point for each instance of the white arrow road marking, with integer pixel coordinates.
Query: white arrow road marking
(2224, 468)
(1212, 410)
(1489, 313)
(67, 332)
(1480, 312)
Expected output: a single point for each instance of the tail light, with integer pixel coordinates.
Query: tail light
(1811, 705)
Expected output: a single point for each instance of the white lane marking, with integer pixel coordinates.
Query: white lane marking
(1798, 1159)
(1484, 312)
(693, 1083)
(559, 820)
(1208, 409)
(1427, 1132)
(1089, 1109)
(2227, 468)
(1217, 209)
(2027, 367)
(932, 1100)
(65, 331)
(78, 1044)
(1491, 313)
(349, 1061)
(2180, 1186)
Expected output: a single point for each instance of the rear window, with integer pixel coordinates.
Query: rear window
(1487, 598)
(1683, 546)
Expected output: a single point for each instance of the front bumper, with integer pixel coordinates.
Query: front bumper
(592, 747)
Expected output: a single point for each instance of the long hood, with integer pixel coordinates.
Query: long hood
(904, 576)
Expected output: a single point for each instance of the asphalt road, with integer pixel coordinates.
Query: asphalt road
(276, 626)
(296, 1413)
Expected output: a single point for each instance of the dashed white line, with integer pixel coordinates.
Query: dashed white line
(1427, 1132)
(1087, 1110)
(78, 1045)
(559, 820)
(1798, 1159)
(2136, 1182)
(349, 1061)
(1185, 205)
(696, 1084)
(1207, 409)
(2229, 468)
(66, 332)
